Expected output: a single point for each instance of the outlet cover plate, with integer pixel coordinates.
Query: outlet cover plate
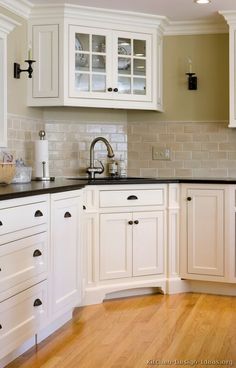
(161, 153)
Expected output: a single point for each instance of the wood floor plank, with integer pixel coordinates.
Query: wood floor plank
(126, 333)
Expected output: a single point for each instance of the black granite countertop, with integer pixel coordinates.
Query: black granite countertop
(62, 184)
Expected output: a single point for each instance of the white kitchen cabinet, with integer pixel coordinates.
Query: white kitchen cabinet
(110, 65)
(131, 244)
(81, 63)
(24, 268)
(203, 229)
(230, 17)
(65, 244)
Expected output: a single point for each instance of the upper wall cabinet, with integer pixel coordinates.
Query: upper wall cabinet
(6, 26)
(88, 57)
(230, 17)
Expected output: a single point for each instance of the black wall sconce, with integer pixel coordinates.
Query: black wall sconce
(18, 70)
(192, 81)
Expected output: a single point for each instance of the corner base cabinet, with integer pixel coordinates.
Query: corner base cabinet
(80, 63)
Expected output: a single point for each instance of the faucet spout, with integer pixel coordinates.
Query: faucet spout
(92, 169)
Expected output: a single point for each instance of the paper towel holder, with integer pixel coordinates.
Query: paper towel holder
(42, 135)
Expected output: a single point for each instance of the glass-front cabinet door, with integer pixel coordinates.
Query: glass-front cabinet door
(110, 65)
(89, 62)
(132, 61)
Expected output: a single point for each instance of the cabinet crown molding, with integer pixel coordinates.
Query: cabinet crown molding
(7, 24)
(21, 8)
(98, 14)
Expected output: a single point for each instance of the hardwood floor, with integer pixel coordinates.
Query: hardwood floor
(127, 333)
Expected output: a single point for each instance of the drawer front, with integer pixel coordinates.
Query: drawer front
(22, 260)
(121, 198)
(22, 316)
(22, 217)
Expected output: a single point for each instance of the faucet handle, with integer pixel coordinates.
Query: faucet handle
(102, 167)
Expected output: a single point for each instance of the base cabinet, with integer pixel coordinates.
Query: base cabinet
(65, 243)
(203, 232)
(131, 244)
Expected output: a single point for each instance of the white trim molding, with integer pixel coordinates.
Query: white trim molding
(194, 27)
(21, 8)
(7, 24)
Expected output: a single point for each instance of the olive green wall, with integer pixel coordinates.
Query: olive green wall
(209, 54)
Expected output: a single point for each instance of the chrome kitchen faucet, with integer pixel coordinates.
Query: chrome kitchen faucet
(92, 169)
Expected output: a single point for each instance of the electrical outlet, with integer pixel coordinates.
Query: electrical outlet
(160, 153)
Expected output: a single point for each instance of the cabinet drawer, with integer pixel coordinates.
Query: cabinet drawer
(121, 198)
(21, 217)
(22, 316)
(22, 260)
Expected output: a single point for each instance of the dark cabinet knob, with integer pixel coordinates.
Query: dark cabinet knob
(130, 222)
(67, 214)
(84, 207)
(0, 269)
(37, 253)
(37, 303)
(109, 89)
(189, 199)
(115, 89)
(132, 198)
(0, 326)
(136, 222)
(1, 223)
(38, 213)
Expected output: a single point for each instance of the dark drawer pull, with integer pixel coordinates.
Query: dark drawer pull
(115, 89)
(109, 89)
(37, 303)
(132, 198)
(67, 214)
(1, 223)
(130, 222)
(37, 253)
(84, 207)
(189, 199)
(136, 222)
(38, 213)
(0, 327)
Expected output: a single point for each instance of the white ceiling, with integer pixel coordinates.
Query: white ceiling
(175, 10)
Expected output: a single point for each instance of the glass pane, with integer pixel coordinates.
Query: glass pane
(139, 67)
(124, 46)
(124, 85)
(139, 48)
(81, 42)
(139, 86)
(98, 63)
(98, 43)
(82, 82)
(98, 83)
(124, 65)
(81, 62)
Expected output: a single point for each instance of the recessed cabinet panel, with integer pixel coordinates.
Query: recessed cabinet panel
(66, 259)
(205, 232)
(46, 69)
(148, 243)
(115, 246)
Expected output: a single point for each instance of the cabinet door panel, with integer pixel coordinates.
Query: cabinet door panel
(132, 66)
(65, 244)
(89, 63)
(46, 69)
(148, 243)
(115, 245)
(205, 232)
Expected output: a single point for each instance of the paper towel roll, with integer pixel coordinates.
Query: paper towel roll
(41, 155)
